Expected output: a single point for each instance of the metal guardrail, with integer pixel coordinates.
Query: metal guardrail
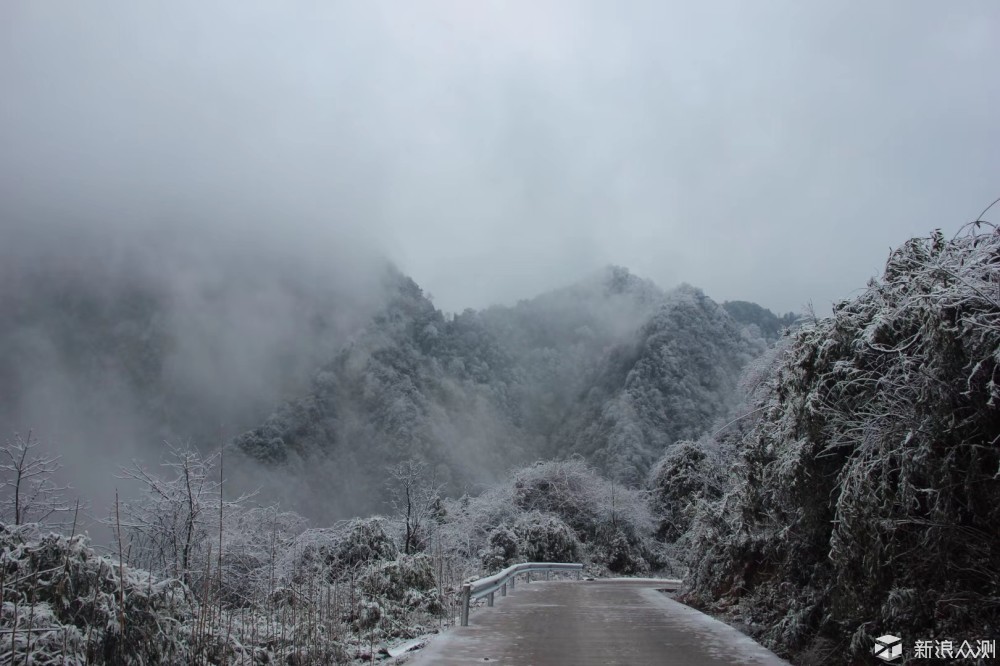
(498, 581)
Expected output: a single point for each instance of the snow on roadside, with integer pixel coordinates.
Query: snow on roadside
(719, 639)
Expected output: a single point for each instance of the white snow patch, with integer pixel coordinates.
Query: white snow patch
(667, 582)
(408, 646)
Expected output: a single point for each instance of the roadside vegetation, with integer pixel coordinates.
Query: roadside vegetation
(193, 577)
(859, 494)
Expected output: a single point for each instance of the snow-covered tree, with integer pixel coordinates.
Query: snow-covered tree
(170, 526)
(415, 498)
(29, 492)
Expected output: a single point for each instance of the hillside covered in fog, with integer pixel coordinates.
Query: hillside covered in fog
(612, 369)
(322, 378)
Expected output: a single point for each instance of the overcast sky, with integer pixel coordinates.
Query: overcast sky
(768, 151)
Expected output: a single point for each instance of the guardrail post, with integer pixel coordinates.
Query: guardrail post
(546, 574)
(489, 601)
(503, 590)
(578, 574)
(466, 598)
(513, 580)
(527, 577)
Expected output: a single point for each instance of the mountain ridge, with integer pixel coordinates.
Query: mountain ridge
(611, 368)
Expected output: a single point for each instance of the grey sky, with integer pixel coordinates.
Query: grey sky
(768, 151)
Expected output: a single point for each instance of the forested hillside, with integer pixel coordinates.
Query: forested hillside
(769, 325)
(859, 493)
(339, 371)
(670, 382)
(612, 369)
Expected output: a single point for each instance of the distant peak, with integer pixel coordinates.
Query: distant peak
(691, 291)
(618, 280)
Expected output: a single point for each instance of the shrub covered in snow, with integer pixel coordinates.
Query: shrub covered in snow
(66, 604)
(624, 552)
(687, 473)
(569, 489)
(333, 551)
(254, 539)
(554, 511)
(366, 540)
(546, 538)
(501, 551)
(60, 599)
(613, 523)
(405, 589)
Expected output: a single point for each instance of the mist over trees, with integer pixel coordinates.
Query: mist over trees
(612, 369)
(112, 343)
(769, 325)
(335, 366)
(180, 338)
(670, 382)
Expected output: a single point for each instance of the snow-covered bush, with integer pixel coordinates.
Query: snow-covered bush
(569, 489)
(536, 504)
(254, 539)
(604, 516)
(471, 520)
(621, 554)
(546, 538)
(72, 600)
(84, 608)
(366, 540)
(501, 551)
(331, 552)
(687, 473)
(405, 589)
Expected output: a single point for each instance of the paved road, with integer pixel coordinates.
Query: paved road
(591, 622)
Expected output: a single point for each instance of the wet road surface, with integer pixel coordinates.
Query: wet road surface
(591, 622)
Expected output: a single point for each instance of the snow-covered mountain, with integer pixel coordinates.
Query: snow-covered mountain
(612, 368)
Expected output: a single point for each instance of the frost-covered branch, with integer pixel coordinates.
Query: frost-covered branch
(28, 490)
